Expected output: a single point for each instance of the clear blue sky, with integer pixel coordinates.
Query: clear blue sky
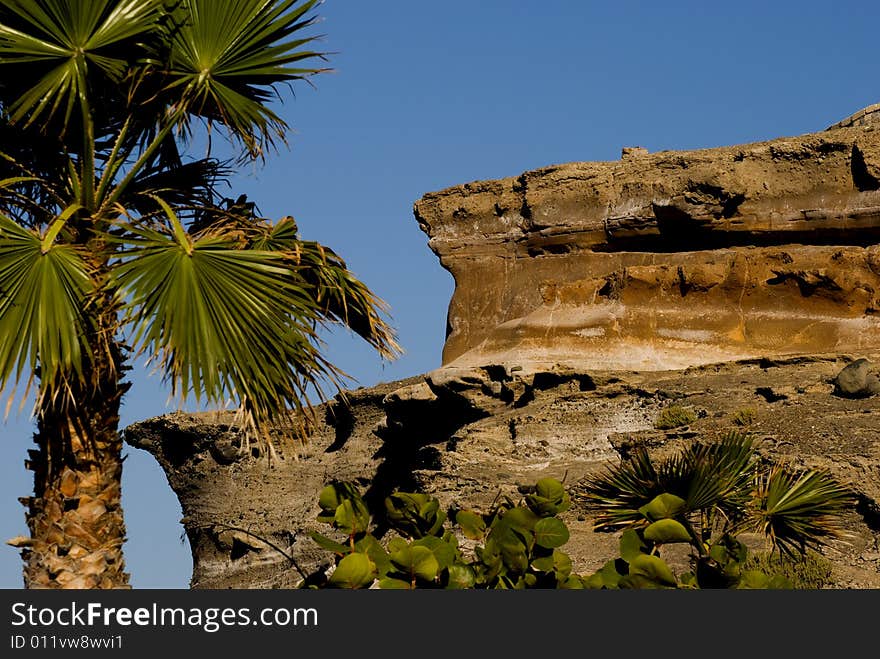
(431, 94)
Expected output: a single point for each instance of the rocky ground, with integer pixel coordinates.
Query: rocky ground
(467, 435)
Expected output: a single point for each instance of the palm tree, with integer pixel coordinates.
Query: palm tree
(720, 489)
(114, 242)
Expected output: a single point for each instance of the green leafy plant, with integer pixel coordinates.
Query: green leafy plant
(517, 543)
(704, 497)
(674, 416)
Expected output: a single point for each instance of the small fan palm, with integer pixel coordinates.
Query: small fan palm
(725, 489)
(115, 243)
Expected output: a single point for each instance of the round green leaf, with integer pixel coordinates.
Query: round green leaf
(352, 516)
(550, 488)
(371, 547)
(521, 519)
(753, 580)
(549, 498)
(667, 530)
(631, 545)
(354, 571)
(551, 532)
(460, 577)
(594, 582)
(572, 582)
(513, 553)
(443, 551)
(472, 525)
(416, 560)
(394, 584)
(561, 564)
(652, 568)
(663, 506)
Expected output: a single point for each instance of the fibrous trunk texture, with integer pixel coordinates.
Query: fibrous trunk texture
(75, 516)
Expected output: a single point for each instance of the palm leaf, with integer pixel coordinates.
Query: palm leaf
(44, 290)
(619, 490)
(57, 42)
(226, 58)
(340, 296)
(799, 510)
(223, 322)
(707, 476)
(719, 473)
(190, 185)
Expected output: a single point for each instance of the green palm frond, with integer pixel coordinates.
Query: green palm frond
(340, 296)
(44, 290)
(190, 185)
(718, 474)
(798, 510)
(225, 323)
(226, 58)
(54, 43)
(706, 476)
(619, 490)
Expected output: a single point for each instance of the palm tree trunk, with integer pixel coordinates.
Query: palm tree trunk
(75, 516)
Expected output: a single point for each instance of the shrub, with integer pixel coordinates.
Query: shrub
(674, 416)
(518, 544)
(744, 417)
(811, 571)
(704, 497)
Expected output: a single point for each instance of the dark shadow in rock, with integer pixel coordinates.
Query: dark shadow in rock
(769, 395)
(178, 446)
(862, 178)
(869, 510)
(339, 415)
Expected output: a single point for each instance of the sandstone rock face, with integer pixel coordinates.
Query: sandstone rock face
(667, 260)
(468, 435)
(740, 282)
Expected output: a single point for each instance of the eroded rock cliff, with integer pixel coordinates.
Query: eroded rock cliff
(468, 435)
(667, 260)
(589, 297)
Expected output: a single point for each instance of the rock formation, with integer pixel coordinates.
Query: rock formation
(741, 282)
(468, 435)
(667, 260)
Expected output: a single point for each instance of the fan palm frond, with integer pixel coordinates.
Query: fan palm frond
(44, 291)
(225, 322)
(55, 43)
(719, 473)
(799, 509)
(705, 475)
(617, 492)
(227, 57)
(340, 296)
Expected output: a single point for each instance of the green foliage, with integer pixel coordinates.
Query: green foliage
(114, 238)
(810, 571)
(704, 497)
(518, 543)
(674, 416)
(743, 417)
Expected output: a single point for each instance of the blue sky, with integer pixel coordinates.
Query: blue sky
(431, 94)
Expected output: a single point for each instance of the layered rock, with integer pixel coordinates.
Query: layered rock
(470, 435)
(667, 260)
(741, 282)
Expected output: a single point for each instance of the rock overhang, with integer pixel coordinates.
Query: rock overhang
(667, 260)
